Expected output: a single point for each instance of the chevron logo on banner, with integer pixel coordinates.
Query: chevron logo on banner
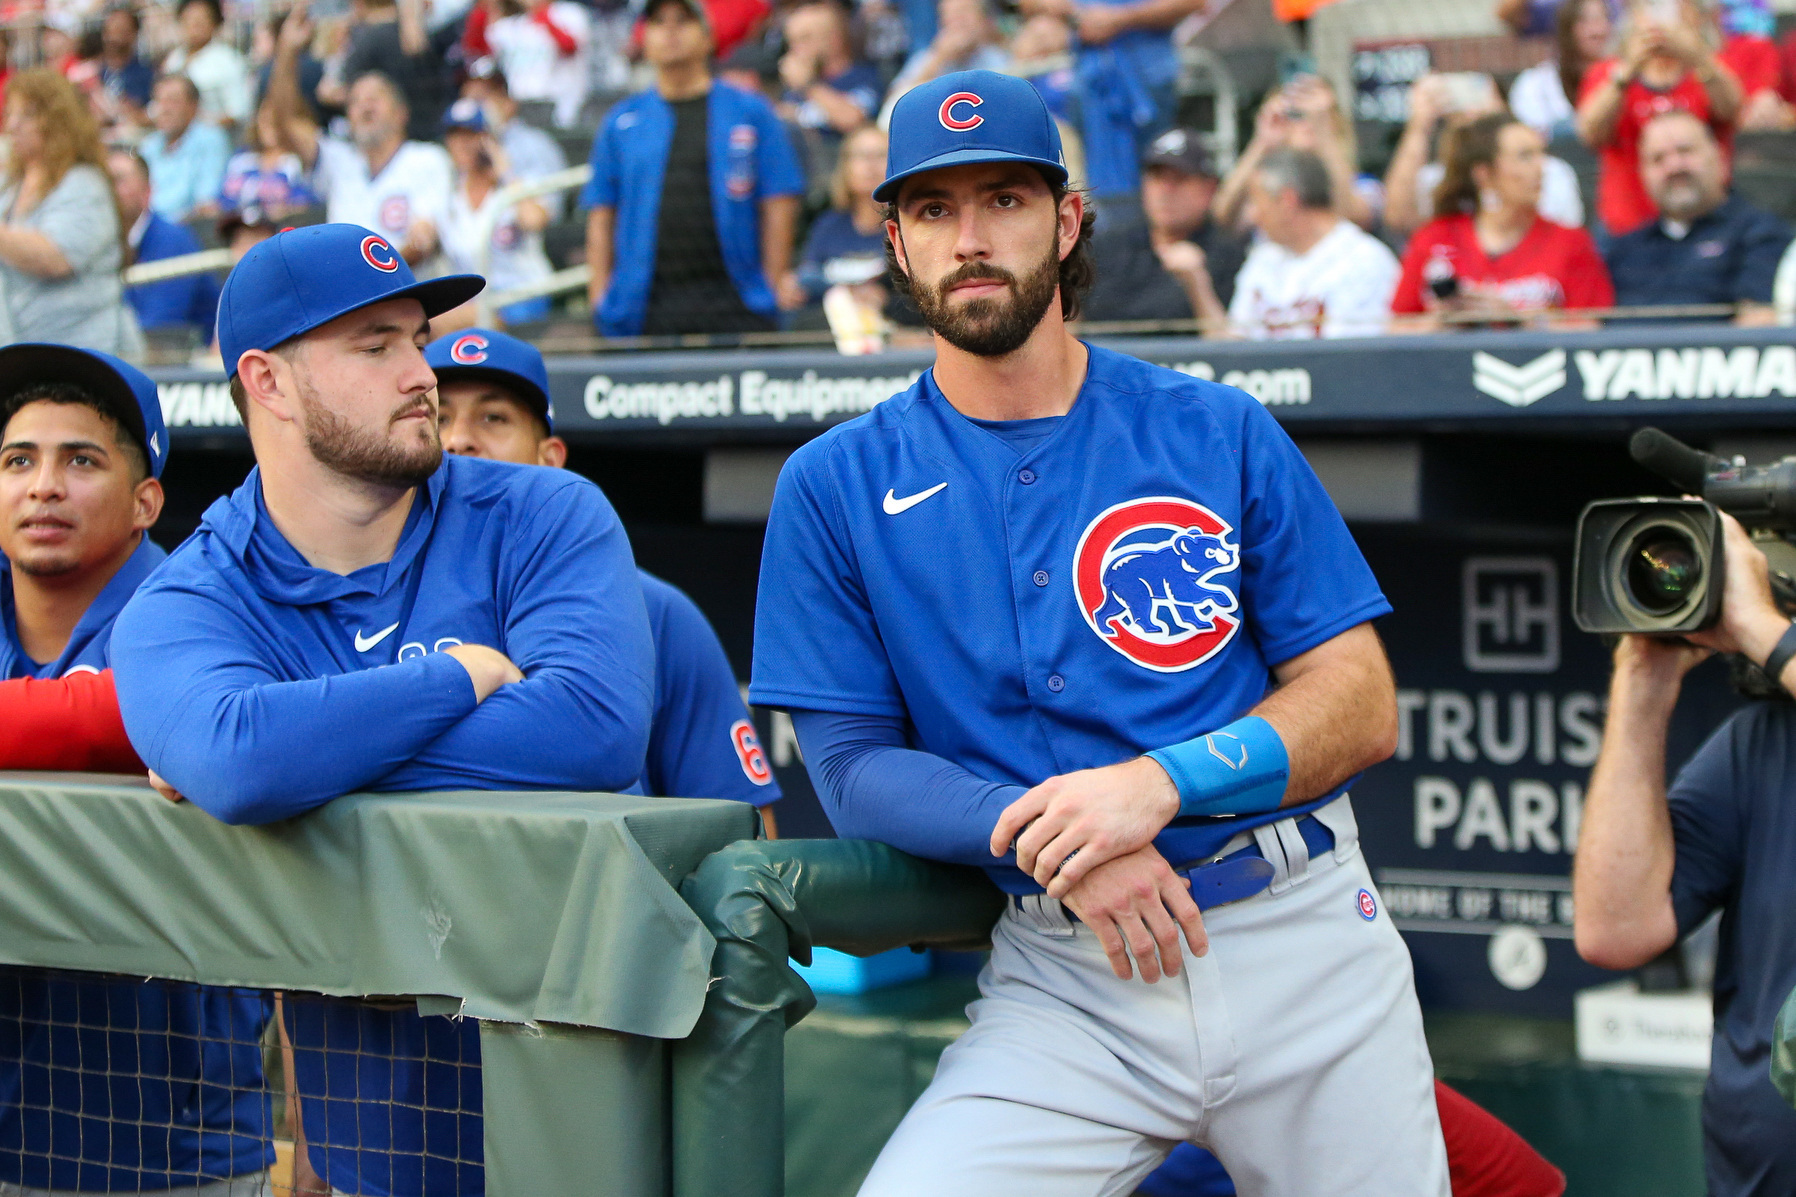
(1519, 386)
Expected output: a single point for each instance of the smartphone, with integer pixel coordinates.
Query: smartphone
(1663, 12)
(1293, 66)
(1467, 90)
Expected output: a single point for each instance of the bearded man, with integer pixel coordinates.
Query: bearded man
(1095, 626)
(365, 613)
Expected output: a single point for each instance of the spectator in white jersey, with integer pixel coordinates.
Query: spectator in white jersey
(1312, 274)
(513, 253)
(545, 48)
(213, 64)
(377, 178)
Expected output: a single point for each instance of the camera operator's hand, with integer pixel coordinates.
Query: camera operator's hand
(1750, 622)
(1658, 663)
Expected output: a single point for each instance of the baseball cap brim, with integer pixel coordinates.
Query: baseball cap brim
(526, 389)
(888, 190)
(29, 365)
(438, 295)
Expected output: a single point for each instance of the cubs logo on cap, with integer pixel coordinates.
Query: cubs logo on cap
(966, 118)
(302, 278)
(1150, 576)
(469, 349)
(481, 353)
(960, 124)
(378, 254)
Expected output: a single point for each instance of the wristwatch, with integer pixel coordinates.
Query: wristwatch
(1781, 654)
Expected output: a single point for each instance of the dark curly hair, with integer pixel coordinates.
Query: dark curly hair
(1078, 270)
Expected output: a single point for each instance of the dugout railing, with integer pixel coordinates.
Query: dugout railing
(628, 959)
(552, 919)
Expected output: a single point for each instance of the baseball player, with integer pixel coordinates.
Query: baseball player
(364, 613)
(493, 401)
(82, 446)
(1056, 598)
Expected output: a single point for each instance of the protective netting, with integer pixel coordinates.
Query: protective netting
(129, 1085)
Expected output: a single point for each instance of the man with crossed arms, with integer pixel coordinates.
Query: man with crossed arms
(366, 613)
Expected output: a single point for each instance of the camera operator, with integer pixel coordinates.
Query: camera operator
(1650, 867)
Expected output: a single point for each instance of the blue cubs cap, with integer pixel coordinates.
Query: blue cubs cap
(465, 114)
(970, 117)
(480, 353)
(132, 392)
(302, 278)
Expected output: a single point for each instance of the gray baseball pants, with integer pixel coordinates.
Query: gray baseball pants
(1293, 1050)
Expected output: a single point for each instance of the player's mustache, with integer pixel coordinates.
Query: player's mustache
(976, 271)
(411, 407)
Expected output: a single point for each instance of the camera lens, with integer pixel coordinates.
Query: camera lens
(1664, 570)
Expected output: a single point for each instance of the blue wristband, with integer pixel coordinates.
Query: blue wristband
(1240, 769)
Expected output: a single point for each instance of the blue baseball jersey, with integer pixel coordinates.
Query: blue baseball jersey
(261, 687)
(750, 158)
(1123, 578)
(703, 744)
(87, 649)
(121, 1085)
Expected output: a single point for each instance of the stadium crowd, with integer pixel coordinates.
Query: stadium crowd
(733, 144)
(747, 185)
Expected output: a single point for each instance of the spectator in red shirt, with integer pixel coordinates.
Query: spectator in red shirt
(1664, 65)
(1748, 51)
(1490, 253)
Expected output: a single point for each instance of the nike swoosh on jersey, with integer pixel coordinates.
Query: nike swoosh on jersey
(364, 643)
(897, 506)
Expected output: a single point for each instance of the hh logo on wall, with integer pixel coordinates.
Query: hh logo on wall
(1148, 575)
(1510, 609)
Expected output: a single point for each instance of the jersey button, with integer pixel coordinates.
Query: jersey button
(1056, 683)
(1025, 476)
(1041, 577)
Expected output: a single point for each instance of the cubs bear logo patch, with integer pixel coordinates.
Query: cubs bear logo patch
(1150, 578)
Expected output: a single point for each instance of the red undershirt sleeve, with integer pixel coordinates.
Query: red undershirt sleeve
(68, 724)
(564, 41)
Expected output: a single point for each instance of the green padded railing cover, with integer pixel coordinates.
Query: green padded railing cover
(517, 907)
(1783, 1050)
(767, 901)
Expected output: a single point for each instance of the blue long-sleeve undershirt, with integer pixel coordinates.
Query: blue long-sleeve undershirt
(874, 786)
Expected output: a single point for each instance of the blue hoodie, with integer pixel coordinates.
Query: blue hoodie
(262, 687)
(133, 1084)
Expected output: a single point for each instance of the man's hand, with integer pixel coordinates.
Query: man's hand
(1183, 259)
(1642, 44)
(1427, 102)
(162, 787)
(296, 31)
(1750, 622)
(420, 241)
(488, 667)
(1099, 23)
(798, 71)
(1068, 826)
(789, 293)
(1137, 905)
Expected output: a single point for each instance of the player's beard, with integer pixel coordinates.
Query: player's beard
(374, 458)
(996, 325)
